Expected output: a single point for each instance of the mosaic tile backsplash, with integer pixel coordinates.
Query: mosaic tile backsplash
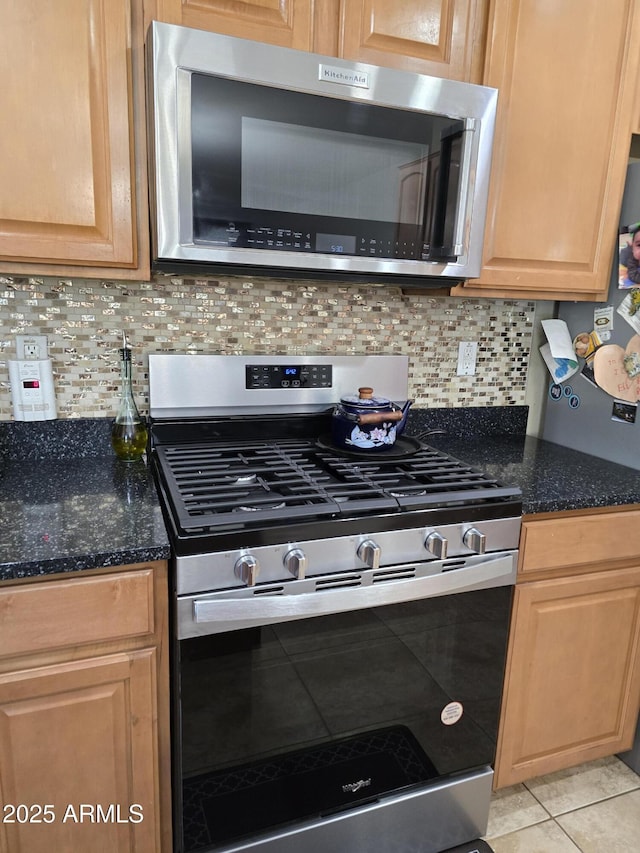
(84, 320)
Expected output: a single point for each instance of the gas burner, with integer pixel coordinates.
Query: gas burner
(260, 499)
(242, 480)
(260, 507)
(406, 491)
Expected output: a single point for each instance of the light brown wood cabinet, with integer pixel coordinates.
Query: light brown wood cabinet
(84, 742)
(73, 201)
(567, 76)
(572, 685)
(284, 22)
(444, 38)
(73, 167)
(440, 37)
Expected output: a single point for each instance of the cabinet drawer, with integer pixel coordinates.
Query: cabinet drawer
(583, 540)
(55, 614)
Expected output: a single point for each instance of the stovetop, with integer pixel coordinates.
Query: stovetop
(230, 487)
(243, 455)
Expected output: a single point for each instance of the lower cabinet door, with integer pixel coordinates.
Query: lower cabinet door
(573, 674)
(78, 757)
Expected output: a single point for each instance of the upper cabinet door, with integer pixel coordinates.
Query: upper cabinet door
(567, 74)
(437, 37)
(283, 22)
(66, 164)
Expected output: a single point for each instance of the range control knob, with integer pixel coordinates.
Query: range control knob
(295, 561)
(437, 545)
(474, 540)
(370, 553)
(247, 569)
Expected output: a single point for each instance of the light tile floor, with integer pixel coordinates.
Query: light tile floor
(593, 808)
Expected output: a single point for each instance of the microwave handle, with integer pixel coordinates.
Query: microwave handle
(466, 190)
(229, 613)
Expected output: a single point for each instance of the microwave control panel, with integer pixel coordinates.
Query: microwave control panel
(250, 236)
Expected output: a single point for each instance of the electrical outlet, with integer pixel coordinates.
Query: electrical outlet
(31, 347)
(467, 351)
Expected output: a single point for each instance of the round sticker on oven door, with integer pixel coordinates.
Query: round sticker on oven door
(451, 713)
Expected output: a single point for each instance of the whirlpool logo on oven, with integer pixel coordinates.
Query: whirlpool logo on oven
(353, 787)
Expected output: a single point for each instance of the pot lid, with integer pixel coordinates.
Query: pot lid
(365, 399)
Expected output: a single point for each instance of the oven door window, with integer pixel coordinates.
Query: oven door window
(274, 169)
(310, 717)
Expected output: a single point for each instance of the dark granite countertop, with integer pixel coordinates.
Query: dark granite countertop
(67, 504)
(552, 478)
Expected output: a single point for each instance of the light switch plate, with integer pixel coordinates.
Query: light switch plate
(467, 352)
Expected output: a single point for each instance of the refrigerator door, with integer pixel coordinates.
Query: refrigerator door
(581, 415)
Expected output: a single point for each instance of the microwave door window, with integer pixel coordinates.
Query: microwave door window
(288, 170)
(328, 173)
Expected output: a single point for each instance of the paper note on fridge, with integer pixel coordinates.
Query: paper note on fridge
(558, 353)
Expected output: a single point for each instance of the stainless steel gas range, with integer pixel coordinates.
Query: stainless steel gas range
(340, 616)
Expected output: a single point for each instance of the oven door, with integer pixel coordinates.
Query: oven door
(369, 725)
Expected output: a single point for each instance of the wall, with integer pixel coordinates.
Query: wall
(83, 320)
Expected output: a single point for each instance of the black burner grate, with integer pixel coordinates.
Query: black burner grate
(217, 484)
(425, 479)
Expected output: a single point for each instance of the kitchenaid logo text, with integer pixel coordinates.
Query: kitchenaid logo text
(352, 787)
(335, 74)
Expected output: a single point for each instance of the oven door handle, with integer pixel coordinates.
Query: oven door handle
(226, 614)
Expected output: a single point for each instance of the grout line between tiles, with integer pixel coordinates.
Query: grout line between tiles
(555, 818)
(602, 799)
(563, 814)
(540, 803)
(595, 803)
(566, 834)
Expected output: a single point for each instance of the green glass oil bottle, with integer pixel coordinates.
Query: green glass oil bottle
(128, 432)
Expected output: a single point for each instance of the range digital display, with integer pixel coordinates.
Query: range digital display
(288, 376)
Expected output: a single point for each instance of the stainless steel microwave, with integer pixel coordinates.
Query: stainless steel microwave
(272, 161)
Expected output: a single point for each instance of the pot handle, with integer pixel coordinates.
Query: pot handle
(380, 417)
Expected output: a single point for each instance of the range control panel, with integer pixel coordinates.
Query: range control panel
(203, 385)
(288, 376)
